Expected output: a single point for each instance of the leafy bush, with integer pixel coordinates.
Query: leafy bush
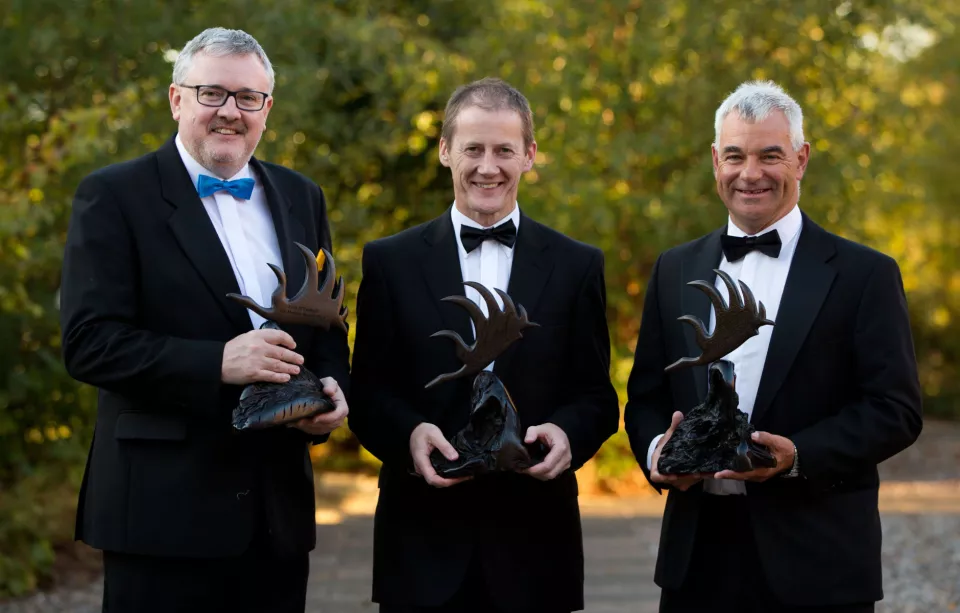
(623, 92)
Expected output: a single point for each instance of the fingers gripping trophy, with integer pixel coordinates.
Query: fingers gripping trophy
(318, 303)
(492, 440)
(715, 435)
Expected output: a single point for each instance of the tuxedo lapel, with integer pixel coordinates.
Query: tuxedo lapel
(808, 283)
(194, 231)
(529, 274)
(698, 266)
(288, 228)
(441, 269)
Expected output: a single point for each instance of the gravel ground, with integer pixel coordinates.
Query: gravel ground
(921, 564)
(920, 507)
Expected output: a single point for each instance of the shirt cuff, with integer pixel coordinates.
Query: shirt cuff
(651, 448)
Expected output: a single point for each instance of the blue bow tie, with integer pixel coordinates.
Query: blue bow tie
(239, 188)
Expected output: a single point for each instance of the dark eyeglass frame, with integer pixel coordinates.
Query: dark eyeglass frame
(230, 94)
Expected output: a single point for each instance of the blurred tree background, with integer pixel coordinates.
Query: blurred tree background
(623, 92)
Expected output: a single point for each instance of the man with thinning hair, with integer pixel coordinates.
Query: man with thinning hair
(507, 542)
(832, 388)
(191, 516)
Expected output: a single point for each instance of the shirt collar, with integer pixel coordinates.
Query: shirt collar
(195, 169)
(459, 219)
(787, 227)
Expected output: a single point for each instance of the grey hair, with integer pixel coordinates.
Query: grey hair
(220, 42)
(754, 101)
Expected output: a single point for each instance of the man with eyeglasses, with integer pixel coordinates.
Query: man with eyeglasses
(192, 516)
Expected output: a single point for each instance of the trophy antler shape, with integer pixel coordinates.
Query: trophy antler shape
(735, 324)
(494, 333)
(313, 306)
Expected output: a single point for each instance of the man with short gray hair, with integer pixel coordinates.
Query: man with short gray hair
(190, 515)
(832, 388)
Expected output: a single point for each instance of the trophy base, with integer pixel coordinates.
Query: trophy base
(267, 405)
(492, 440)
(715, 435)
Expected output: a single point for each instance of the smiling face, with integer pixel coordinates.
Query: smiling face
(487, 157)
(757, 171)
(222, 138)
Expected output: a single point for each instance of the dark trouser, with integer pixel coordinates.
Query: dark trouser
(472, 597)
(725, 573)
(258, 581)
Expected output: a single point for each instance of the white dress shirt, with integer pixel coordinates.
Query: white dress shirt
(489, 264)
(246, 231)
(766, 278)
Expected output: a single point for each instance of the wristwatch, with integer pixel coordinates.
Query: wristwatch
(795, 469)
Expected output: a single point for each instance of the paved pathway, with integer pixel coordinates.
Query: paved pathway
(921, 555)
(619, 553)
(919, 502)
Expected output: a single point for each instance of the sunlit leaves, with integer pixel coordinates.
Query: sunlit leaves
(623, 92)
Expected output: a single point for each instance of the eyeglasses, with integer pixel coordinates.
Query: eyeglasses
(212, 95)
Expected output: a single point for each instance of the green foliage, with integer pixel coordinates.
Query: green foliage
(623, 93)
(615, 460)
(36, 512)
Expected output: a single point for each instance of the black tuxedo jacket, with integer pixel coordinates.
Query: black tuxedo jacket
(840, 380)
(524, 532)
(145, 318)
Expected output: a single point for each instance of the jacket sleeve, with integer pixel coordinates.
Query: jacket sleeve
(381, 419)
(102, 343)
(649, 404)
(330, 352)
(593, 414)
(887, 416)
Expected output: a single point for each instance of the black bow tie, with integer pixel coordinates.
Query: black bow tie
(735, 247)
(505, 234)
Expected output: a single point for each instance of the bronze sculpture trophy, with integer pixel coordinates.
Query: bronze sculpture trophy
(264, 404)
(715, 435)
(492, 440)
